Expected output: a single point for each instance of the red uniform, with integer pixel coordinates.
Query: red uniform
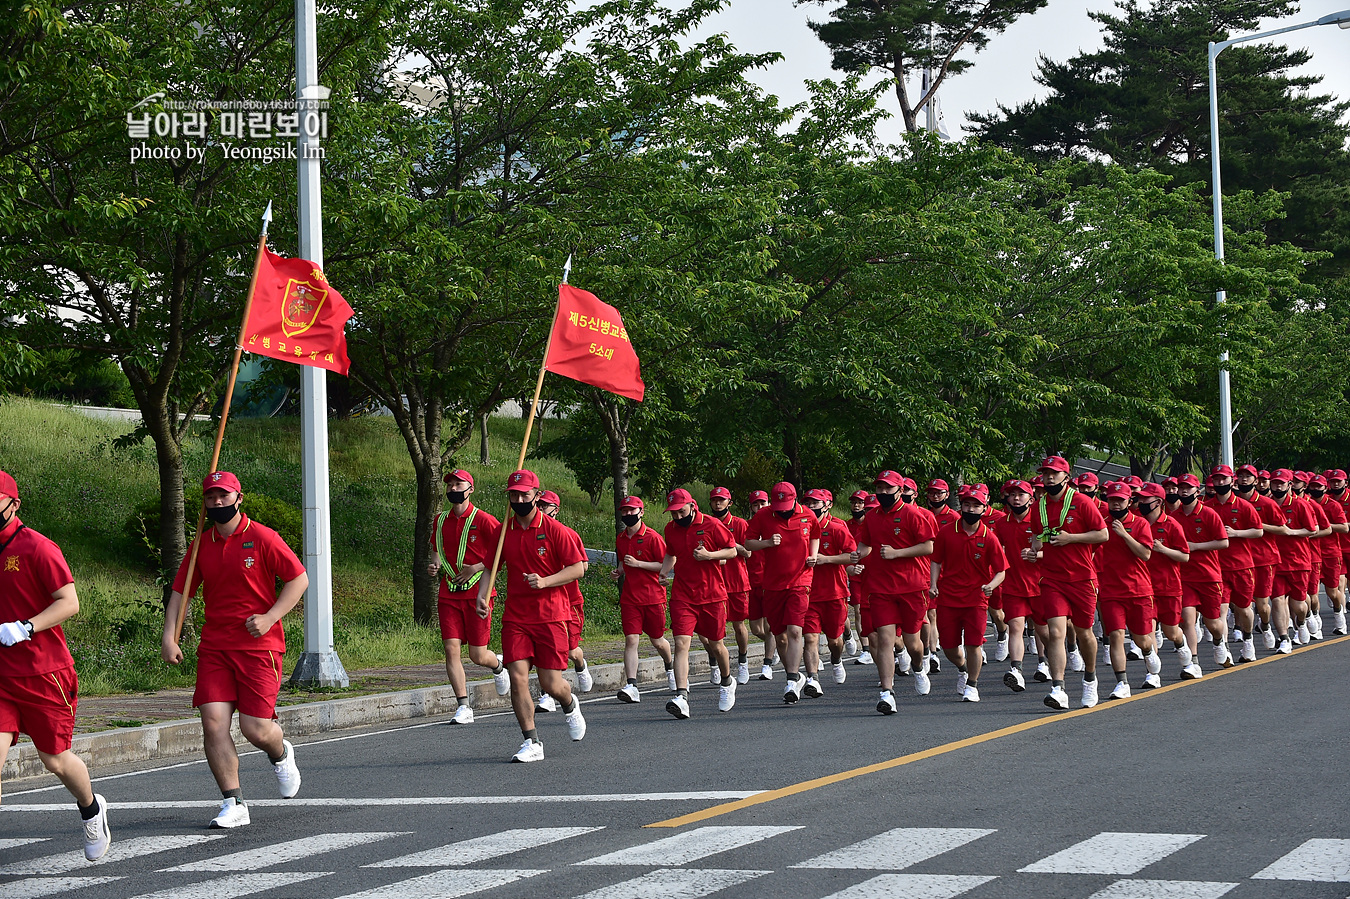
(1315, 545)
(897, 589)
(754, 571)
(698, 601)
(37, 676)
(1164, 572)
(787, 580)
(1202, 576)
(967, 561)
(577, 602)
(468, 539)
(1068, 574)
(1237, 562)
(1266, 551)
(1331, 545)
(1023, 582)
(945, 515)
(536, 623)
(642, 599)
(1126, 598)
(827, 612)
(1344, 502)
(736, 573)
(1291, 574)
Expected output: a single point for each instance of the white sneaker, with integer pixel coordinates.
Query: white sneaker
(851, 646)
(463, 715)
(1192, 671)
(1268, 637)
(288, 775)
(743, 673)
(1248, 651)
(864, 658)
(1013, 680)
(1132, 652)
(714, 676)
(1221, 657)
(585, 682)
(984, 657)
(1340, 624)
(934, 664)
(1042, 675)
(1075, 662)
(670, 681)
(1122, 690)
(921, 683)
(1303, 632)
(678, 706)
(576, 724)
(231, 814)
(962, 678)
(792, 690)
(904, 665)
(1089, 693)
(1057, 699)
(886, 704)
(1285, 648)
(1315, 628)
(97, 836)
(1184, 656)
(840, 675)
(970, 694)
(811, 689)
(1152, 682)
(545, 703)
(1152, 662)
(502, 682)
(766, 672)
(630, 693)
(529, 751)
(726, 697)
(1001, 648)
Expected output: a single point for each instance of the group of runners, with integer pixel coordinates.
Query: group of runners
(898, 583)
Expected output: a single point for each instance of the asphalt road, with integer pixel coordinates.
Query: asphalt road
(1227, 786)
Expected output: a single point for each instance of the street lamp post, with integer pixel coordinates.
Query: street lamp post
(1341, 19)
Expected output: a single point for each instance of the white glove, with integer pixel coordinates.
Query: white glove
(12, 632)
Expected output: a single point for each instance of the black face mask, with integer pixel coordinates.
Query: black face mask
(784, 515)
(1089, 492)
(1146, 509)
(859, 514)
(1118, 513)
(1019, 510)
(971, 517)
(723, 514)
(819, 513)
(907, 497)
(886, 499)
(1278, 493)
(1055, 489)
(1264, 491)
(936, 504)
(1172, 498)
(1223, 489)
(1245, 488)
(1316, 493)
(523, 510)
(456, 496)
(222, 514)
(1188, 500)
(9, 515)
(685, 520)
(1337, 492)
(630, 520)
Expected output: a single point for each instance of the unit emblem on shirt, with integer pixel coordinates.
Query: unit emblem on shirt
(249, 562)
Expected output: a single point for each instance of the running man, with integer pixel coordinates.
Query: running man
(1265, 551)
(754, 569)
(1202, 576)
(1171, 551)
(550, 505)
(1126, 600)
(1022, 583)
(1243, 525)
(737, 577)
(642, 599)
(827, 611)
(859, 645)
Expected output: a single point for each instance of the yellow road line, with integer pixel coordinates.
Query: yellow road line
(816, 783)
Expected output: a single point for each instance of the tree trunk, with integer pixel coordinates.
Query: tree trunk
(425, 585)
(483, 440)
(615, 424)
(1181, 461)
(792, 448)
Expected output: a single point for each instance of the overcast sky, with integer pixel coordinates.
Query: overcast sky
(1004, 72)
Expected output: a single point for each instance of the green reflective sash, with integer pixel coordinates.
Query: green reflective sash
(1063, 511)
(459, 558)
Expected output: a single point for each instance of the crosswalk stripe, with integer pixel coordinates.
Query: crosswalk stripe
(1327, 861)
(896, 849)
(235, 885)
(51, 886)
(11, 842)
(121, 850)
(1164, 889)
(280, 853)
(446, 884)
(381, 801)
(683, 848)
(912, 886)
(675, 883)
(478, 849)
(1113, 853)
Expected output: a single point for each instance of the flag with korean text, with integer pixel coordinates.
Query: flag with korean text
(591, 345)
(297, 316)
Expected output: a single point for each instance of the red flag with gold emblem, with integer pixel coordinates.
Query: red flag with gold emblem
(590, 345)
(297, 316)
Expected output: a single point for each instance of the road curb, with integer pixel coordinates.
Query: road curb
(174, 739)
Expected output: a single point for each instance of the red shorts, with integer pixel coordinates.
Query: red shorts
(1345, 563)
(1239, 588)
(707, 619)
(865, 623)
(756, 603)
(1016, 606)
(961, 625)
(827, 617)
(1127, 613)
(1263, 577)
(649, 619)
(1207, 596)
(460, 621)
(1331, 573)
(1168, 610)
(545, 643)
(1075, 600)
(42, 706)
(1314, 577)
(249, 678)
(738, 606)
(1291, 584)
(783, 608)
(575, 627)
(996, 601)
(907, 612)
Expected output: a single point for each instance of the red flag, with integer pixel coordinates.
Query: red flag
(297, 316)
(590, 345)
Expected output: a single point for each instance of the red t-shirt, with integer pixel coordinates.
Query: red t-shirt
(968, 562)
(902, 527)
(1071, 563)
(1266, 551)
(1239, 515)
(697, 583)
(1023, 577)
(944, 515)
(1295, 553)
(830, 582)
(1202, 526)
(1165, 573)
(1120, 573)
(734, 571)
(33, 568)
(480, 547)
(240, 575)
(993, 517)
(754, 567)
(544, 547)
(855, 582)
(1331, 544)
(573, 588)
(1344, 503)
(640, 587)
(785, 564)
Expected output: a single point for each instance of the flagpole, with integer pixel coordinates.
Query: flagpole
(529, 423)
(224, 416)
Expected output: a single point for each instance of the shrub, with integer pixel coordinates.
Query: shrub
(143, 525)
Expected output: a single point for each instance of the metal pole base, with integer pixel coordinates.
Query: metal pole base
(320, 669)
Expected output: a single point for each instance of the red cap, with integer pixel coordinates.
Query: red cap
(909, 482)
(1249, 469)
(757, 496)
(719, 493)
(1171, 482)
(783, 497)
(1318, 480)
(1038, 481)
(1209, 481)
(1188, 480)
(1118, 490)
(1263, 474)
(458, 474)
(1133, 480)
(872, 502)
(1282, 474)
(978, 492)
(678, 499)
(7, 485)
(1017, 486)
(1221, 471)
(938, 484)
(890, 478)
(1055, 463)
(1152, 490)
(1087, 479)
(221, 480)
(632, 502)
(522, 480)
(824, 496)
(1335, 474)
(549, 498)
(1302, 476)
(861, 494)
